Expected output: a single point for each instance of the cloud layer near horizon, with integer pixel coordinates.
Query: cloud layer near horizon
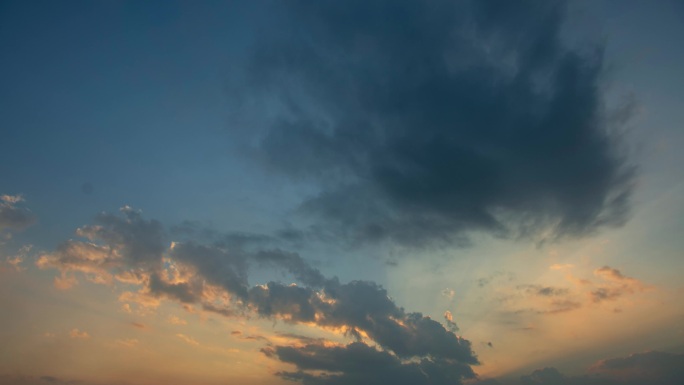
(423, 121)
(654, 368)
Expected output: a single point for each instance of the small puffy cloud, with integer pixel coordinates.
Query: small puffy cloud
(13, 217)
(78, 334)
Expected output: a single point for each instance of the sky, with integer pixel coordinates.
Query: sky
(341, 192)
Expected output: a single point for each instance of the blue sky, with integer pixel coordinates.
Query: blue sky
(516, 165)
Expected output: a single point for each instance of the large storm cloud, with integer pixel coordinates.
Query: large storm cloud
(424, 121)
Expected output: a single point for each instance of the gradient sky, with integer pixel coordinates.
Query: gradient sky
(351, 192)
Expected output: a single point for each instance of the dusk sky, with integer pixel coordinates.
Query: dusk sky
(342, 192)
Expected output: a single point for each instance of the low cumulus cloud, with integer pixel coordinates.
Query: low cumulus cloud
(129, 249)
(423, 121)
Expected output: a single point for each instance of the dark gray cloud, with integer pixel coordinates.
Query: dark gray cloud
(423, 121)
